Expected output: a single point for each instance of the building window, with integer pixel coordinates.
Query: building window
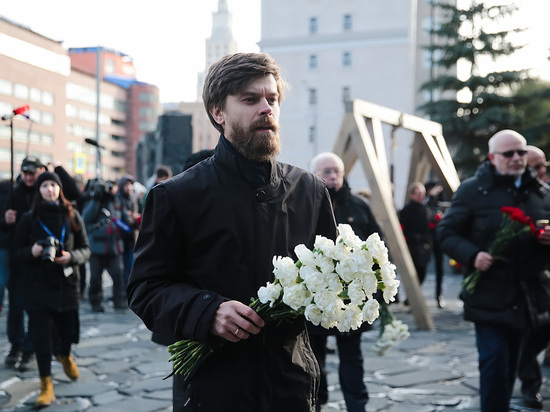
(21, 91)
(313, 26)
(347, 22)
(312, 97)
(36, 95)
(47, 118)
(109, 66)
(346, 59)
(312, 134)
(313, 62)
(6, 87)
(346, 94)
(47, 98)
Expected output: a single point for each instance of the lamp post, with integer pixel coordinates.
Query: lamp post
(19, 110)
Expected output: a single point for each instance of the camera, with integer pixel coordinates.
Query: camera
(52, 248)
(98, 189)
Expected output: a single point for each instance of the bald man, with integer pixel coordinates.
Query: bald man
(510, 298)
(537, 160)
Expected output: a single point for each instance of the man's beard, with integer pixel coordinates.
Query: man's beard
(254, 145)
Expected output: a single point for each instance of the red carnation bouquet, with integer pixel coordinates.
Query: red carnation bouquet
(514, 222)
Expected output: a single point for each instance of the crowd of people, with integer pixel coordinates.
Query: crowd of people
(51, 231)
(188, 254)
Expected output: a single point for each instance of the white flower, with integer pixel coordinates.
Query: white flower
(324, 263)
(381, 347)
(351, 319)
(305, 255)
(390, 290)
(313, 314)
(270, 293)
(346, 270)
(285, 270)
(341, 252)
(363, 259)
(377, 248)
(387, 270)
(328, 301)
(314, 280)
(369, 283)
(334, 283)
(356, 292)
(371, 310)
(296, 296)
(325, 245)
(347, 235)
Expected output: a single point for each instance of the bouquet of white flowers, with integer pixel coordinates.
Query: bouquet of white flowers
(332, 285)
(391, 331)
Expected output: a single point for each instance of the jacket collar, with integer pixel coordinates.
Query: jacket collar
(488, 179)
(256, 174)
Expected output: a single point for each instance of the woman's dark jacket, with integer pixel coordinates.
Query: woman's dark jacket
(352, 210)
(519, 281)
(208, 236)
(47, 288)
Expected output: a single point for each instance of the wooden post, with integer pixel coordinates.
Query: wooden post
(361, 138)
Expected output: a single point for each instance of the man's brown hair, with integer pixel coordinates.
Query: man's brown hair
(232, 74)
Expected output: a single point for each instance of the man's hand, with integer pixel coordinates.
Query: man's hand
(235, 321)
(10, 216)
(483, 261)
(544, 236)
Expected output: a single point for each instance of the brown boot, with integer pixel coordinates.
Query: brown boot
(46, 396)
(70, 368)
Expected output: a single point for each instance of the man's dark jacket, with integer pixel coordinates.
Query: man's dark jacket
(520, 280)
(208, 236)
(353, 210)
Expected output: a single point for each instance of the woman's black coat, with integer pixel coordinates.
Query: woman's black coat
(47, 288)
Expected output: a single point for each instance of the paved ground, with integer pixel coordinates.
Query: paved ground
(121, 369)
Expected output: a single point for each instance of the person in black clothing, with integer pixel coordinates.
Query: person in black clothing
(414, 221)
(354, 211)
(21, 352)
(207, 241)
(435, 214)
(51, 243)
(130, 206)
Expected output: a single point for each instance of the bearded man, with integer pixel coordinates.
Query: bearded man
(206, 244)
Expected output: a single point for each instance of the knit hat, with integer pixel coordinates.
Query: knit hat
(42, 177)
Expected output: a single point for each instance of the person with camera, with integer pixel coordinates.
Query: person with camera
(105, 223)
(51, 243)
(129, 204)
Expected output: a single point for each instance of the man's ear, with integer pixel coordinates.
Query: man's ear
(217, 114)
(491, 157)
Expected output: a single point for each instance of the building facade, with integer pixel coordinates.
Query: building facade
(334, 51)
(36, 71)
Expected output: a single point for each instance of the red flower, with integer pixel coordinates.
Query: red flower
(514, 222)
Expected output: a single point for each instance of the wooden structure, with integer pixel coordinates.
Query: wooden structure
(361, 138)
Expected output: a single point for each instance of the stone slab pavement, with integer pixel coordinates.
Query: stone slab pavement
(121, 369)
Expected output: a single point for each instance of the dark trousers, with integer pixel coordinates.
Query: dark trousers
(438, 266)
(498, 351)
(17, 333)
(114, 266)
(528, 368)
(350, 370)
(52, 334)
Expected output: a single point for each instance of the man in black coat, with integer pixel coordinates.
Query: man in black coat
(354, 211)
(206, 244)
(21, 353)
(414, 221)
(512, 295)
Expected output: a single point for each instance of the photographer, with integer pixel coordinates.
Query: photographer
(51, 243)
(105, 223)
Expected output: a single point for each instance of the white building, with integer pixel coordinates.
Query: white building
(334, 51)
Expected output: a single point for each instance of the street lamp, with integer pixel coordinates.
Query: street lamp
(21, 110)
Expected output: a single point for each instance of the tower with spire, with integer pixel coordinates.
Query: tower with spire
(220, 42)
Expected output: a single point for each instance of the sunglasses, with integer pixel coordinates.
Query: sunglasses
(510, 153)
